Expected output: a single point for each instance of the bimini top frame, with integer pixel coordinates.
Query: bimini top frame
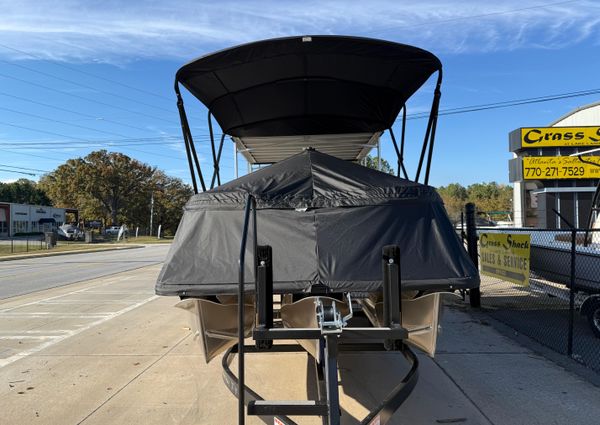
(335, 94)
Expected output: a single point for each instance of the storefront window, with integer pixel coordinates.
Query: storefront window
(20, 226)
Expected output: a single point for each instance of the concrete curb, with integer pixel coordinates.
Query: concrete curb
(53, 254)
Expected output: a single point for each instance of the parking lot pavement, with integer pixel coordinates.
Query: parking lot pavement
(109, 351)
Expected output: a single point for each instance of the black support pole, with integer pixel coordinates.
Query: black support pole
(186, 141)
(250, 205)
(392, 306)
(213, 150)
(216, 172)
(572, 292)
(402, 140)
(264, 292)
(431, 124)
(189, 141)
(399, 152)
(331, 379)
(474, 293)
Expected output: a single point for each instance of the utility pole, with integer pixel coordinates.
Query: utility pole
(378, 155)
(151, 211)
(235, 160)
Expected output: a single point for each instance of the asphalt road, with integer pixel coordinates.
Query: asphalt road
(20, 277)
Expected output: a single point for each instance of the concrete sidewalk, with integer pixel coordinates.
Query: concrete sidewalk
(121, 356)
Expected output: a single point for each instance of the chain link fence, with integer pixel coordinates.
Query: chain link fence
(559, 304)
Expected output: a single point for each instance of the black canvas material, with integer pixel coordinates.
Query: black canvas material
(308, 85)
(327, 221)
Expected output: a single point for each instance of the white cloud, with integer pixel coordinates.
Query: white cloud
(117, 32)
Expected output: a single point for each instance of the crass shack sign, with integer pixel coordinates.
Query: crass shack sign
(506, 256)
(559, 136)
(543, 137)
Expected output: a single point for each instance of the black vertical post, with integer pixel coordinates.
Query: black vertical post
(572, 292)
(27, 245)
(264, 292)
(462, 227)
(474, 293)
(392, 315)
(241, 313)
(331, 379)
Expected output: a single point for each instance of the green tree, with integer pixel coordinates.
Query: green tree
(455, 197)
(24, 191)
(491, 196)
(170, 195)
(486, 196)
(118, 189)
(371, 162)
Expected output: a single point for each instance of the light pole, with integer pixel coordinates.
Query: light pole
(151, 211)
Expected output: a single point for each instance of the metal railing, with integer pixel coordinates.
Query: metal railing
(22, 245)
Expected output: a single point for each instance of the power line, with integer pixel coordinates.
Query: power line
(506, 104)
(75, 138)
(18, 172)
(55, 143)
(85, 86)
(61, 122)
(33, 155)
(59, 108)
(85, 98)
(23, 168)
(140, 140)
(90, 74)
(75, 145)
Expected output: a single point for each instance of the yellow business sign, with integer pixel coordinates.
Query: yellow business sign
(540, 137)
(560, 167)
(506, 256)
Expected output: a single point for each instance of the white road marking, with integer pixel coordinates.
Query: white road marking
(57, 339)
(57, 315)
(83, 302)
(29, 336)
(38, 301)
(58, 331)
(104, 283)
(53, 314)
(119, 292)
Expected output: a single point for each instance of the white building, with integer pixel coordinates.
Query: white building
(22, 218)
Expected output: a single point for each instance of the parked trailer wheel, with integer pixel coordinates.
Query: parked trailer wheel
(591, 309)
(594, 320)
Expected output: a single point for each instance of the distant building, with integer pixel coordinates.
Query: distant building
(546, 178)
(22, 218)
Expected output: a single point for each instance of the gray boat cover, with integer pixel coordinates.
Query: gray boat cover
(327, 221)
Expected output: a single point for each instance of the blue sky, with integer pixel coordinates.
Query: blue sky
(76, 76)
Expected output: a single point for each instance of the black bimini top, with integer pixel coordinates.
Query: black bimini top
(308, 85)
